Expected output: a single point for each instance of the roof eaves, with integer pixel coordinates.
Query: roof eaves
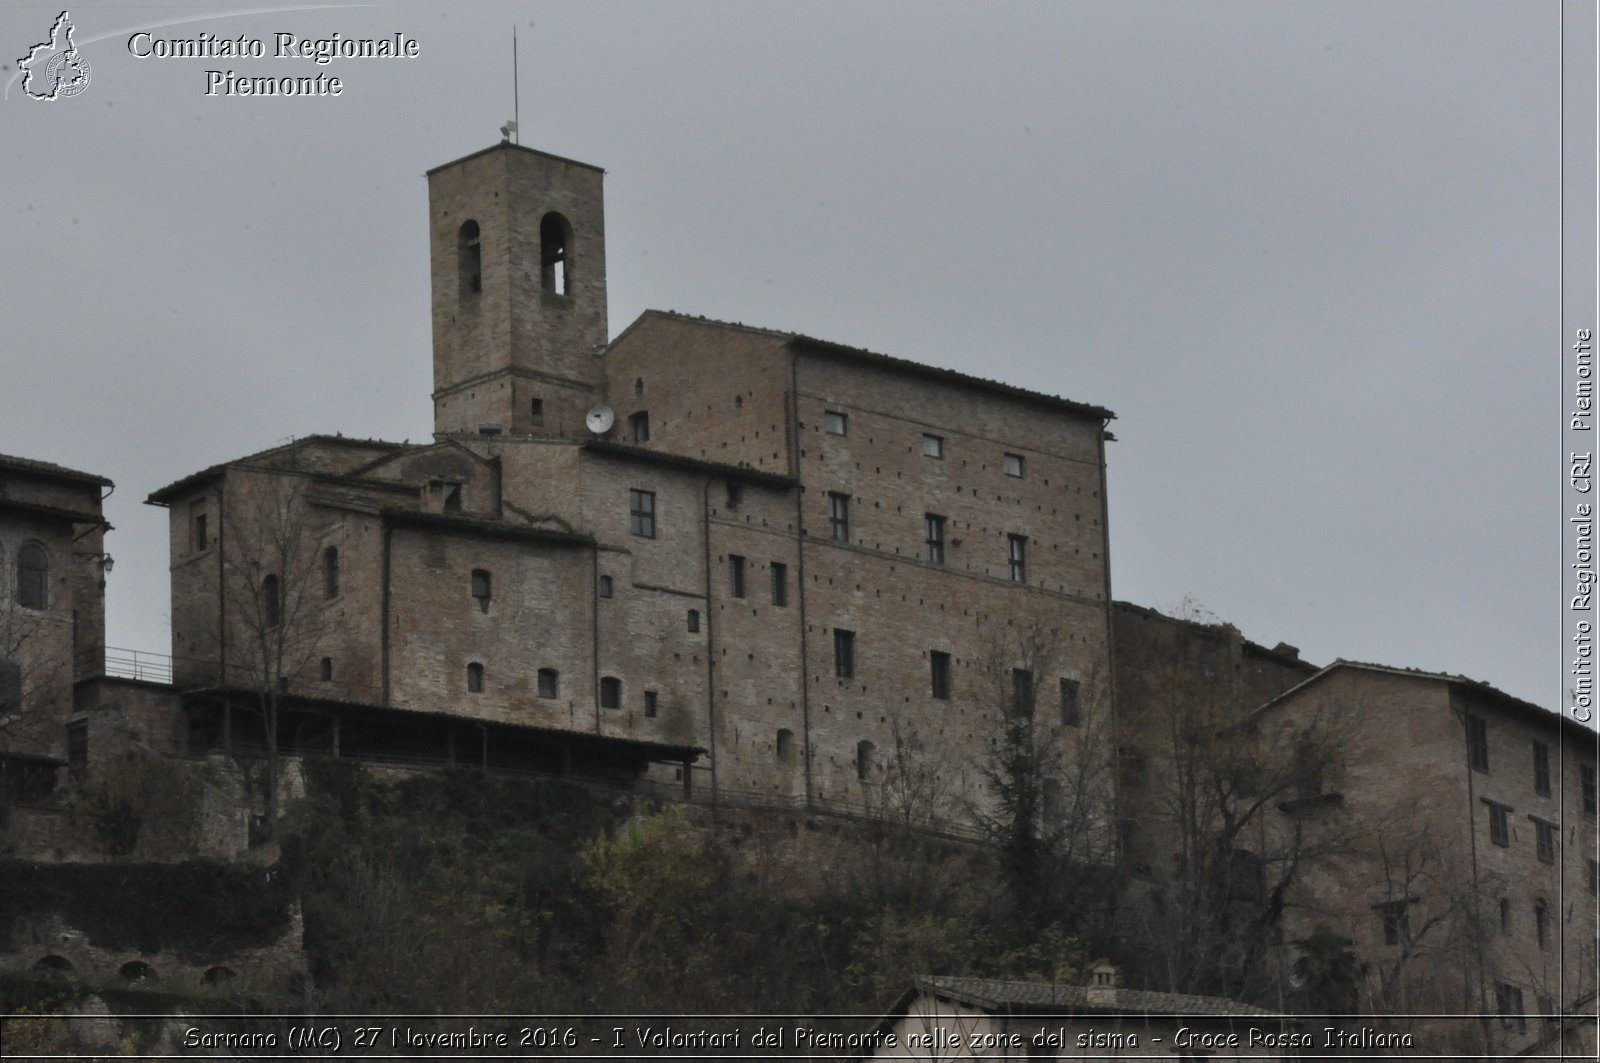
(48, 468)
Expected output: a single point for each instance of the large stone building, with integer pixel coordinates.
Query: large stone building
(795, 569)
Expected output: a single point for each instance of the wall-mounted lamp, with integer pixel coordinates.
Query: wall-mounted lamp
(104, 561)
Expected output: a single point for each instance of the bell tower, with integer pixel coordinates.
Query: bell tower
(518, 253)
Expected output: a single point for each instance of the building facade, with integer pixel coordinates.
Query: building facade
(787, 568)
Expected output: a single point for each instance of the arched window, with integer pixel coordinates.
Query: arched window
(330, 572)
(33, 577)
(694, 621)
(470, 258)
(555, 254)
(866, 754)
(785, 743)
(217, 975)
(138, 971)
(607, 587)
(482, 585)
(610, 692)
(271, 601)
(475, 678)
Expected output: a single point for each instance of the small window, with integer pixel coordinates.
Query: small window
(638, 386)
(1594, 877)
(33, 577)
(1396, 917)
(1541, 922)
(469, 257)
(639, 427)
(1477, 743)
(607, 588)
(555, 265)
(610, 692)
(1499, 822)
(1508, 1002)
(199, 533)
(1586, 788)
(844, 653)
(1014, 465)
(271, 601)
(327, 669)
(330, 572)
(1541, 769)
(475, 678)
(933, 538)
(932, 446)
(735, 576)
(642, 513)
(835, 423)
(452, 497)
(939, 674)
(78, 749)
(651, 703)
(10, 685)
(481, 588)
(780, 584)
(1017, 557)
(1071, 710)
(735, 494)
(692, 620)
(785, 745)
(866, 757)
(1505, 915)
(838, 517)
(1021, 692)
(1544, 834)
(549, 683)
(536, 412)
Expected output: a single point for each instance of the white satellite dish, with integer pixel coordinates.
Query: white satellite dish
(600, 419)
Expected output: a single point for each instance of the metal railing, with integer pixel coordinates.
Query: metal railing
(138, 664)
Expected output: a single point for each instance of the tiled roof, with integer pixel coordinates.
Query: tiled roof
(996, 995)
(45, 468)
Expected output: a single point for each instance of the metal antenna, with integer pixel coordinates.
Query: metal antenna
(516, 92)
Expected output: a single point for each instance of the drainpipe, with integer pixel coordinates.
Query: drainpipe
(711, 640)
(793, 433)
(222, 575)
(594, 629)
(388, 570)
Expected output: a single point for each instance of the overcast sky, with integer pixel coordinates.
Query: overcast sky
(1307, 252)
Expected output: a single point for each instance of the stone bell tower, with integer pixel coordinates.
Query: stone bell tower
(518, 252)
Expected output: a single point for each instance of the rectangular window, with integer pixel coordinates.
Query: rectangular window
(451, 502)
(1541, 769)
(650, 703)
(844, 653)
(1396, 916)
(78, 749)
(608, 587)
(835, 423)
(1594, 878)
(549, 683)
(1499, 822)
(199, 537)
(1021, 692)
(933, 538)
(939, 667)
(735, 576)
(1477, 743)
(780, 584)
(1017, 556)
(1508, 1002)
(1014, 466)
(482, 584)
(1071, 711)
(536, 412)
(642, 513)
(639, 427)
(1544, 835)
(1586, 787)
(838, 517)
(610, 692)
(932, 446)
(735, 494)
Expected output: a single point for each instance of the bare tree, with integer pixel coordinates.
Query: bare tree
(273, 589)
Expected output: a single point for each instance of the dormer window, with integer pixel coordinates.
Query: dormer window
(470, 258)
(555, 261)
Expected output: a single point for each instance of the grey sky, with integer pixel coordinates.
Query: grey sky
(1307, 252)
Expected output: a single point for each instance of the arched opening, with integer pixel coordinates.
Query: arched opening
(330, 572)
(137, 971)
(482, 588)
(693, 621)
(53, 965)
(469, 257)
(33, 577)
(866, 754)
(555, 254)
(785, 743)
(218, 975)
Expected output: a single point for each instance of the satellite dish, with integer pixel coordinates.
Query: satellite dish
(600, 419)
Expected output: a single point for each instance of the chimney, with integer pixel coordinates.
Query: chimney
(1103, 986)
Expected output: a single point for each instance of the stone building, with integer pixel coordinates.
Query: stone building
(787, 568)
(52, 613)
